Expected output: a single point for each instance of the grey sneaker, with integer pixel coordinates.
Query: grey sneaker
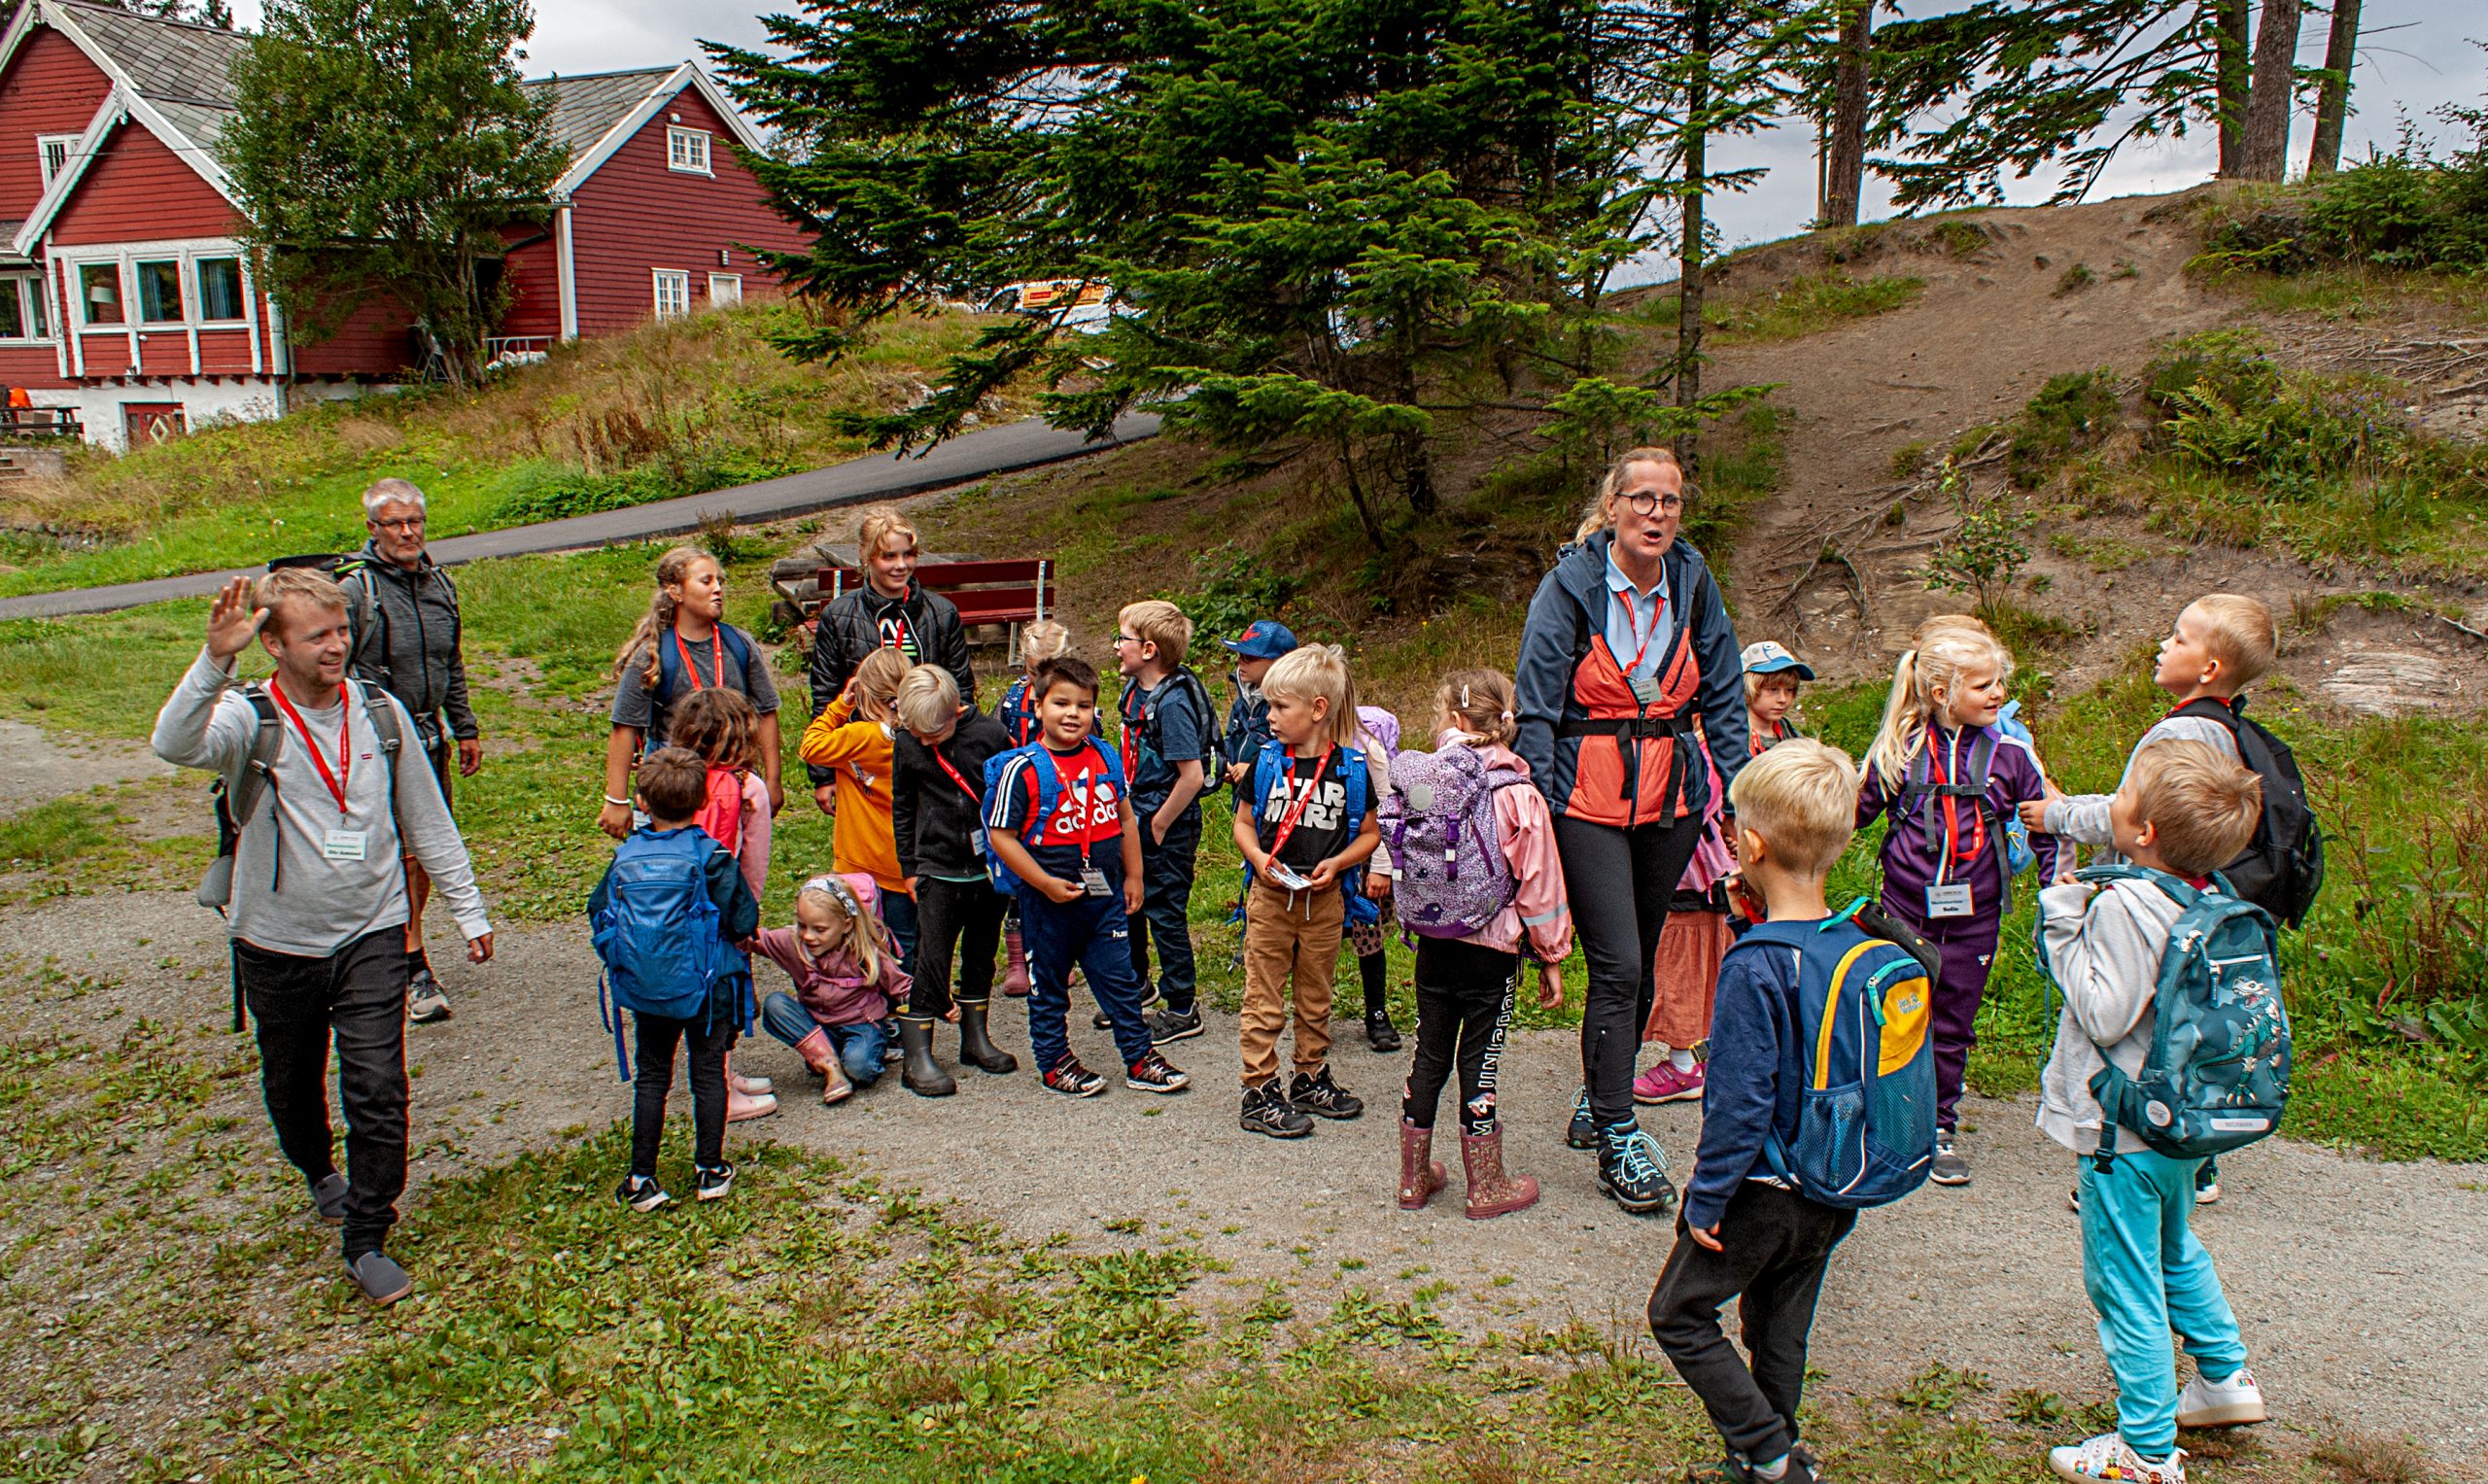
(1172, 1024)
(329, 1197)
(1948, 1168)
(426, 1002)
(382, 1281)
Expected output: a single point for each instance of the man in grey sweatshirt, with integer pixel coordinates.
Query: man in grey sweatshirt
(318, 908)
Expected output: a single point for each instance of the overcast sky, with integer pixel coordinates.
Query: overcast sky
(2416, 55)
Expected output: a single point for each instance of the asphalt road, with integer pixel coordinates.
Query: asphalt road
(1001, 450)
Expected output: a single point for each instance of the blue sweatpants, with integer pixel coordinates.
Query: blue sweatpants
(1093, 933)
(858, 1046)
(2147, 1276)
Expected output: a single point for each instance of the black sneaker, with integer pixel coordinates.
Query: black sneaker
(640, 1192)
(1148, 997)
(1267, 1111)
(1583, 1132)
(715, 1181)
(1072, 1080)
(1322, 1098)
(1153, 1073)
(1172, 1024)
(1948, 1168)
(381, 1280)
(1630, 1172)
(1379, 1032)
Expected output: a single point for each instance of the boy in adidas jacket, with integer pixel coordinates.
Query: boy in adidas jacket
(1743, 1233)
(2184, 810)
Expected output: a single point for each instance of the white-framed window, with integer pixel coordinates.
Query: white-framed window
(673, 294)
(99, 294)
(55, 149)
(220, 289)
(23, 315)
(687, 150)
(725, 289)
(159, 292)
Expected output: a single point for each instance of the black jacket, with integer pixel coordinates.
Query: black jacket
(406, 637)
(932, 816)
(863, 621)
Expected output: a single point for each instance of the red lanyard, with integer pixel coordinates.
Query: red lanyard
(955, 779)
(1287, 822)
(716, 658)
(336, 781)
(1952, 813)
(1634, 628)
(1133, 727)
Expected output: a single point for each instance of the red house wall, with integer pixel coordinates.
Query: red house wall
(225, 353)
(32, 365)
(534, 275)
(371, 341)
(140, 192)
(635, 216)
(50, 87)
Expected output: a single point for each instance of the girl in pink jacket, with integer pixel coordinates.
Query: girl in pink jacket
(1466, 987)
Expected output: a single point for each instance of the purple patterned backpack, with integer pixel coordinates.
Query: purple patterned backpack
(1440, 819)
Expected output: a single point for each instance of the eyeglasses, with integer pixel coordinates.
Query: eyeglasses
(1647, 505)
(409, 525)
(1128, 639)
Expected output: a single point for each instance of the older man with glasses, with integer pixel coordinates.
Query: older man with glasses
(405, 641)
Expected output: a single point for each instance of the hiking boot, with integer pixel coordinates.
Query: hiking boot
(1015, 969)
(2109, 1457)
(1104, 1021)
(1267, 1111)
(1072, 1080)
(976, 1044)
(741, 1107)
(1154, 1073)
(1631, 1171)
(1171, 1024)
(381, 1280)
(921, 1074)
(1490, 1191)
(823, 1058)
(715, 1182)
(1664, 1084)
(1380, 1033)
(1420, 1174)
(329, 1197)
(426, 1002)
(1322, 1098)
(2231, 1402)
(640, 1192)
(1583, 1132)
(1948, 1168)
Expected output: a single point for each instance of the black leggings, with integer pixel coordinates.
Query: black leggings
(706, 1038)
(1618, 881)
(1464, 1007)
(967, 916)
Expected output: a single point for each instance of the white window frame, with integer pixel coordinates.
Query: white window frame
(33, 304)
(196, 304)
(124, 295)
(44, 143)
(186, 298)
(681, 146)
(732, 283)
(678, 303)
(91, 343)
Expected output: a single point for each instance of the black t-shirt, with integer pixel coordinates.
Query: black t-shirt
(1321, 828)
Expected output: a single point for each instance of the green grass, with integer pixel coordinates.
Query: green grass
(52, 832)
(1811, 303)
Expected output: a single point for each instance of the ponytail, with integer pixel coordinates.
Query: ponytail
(1947, 644)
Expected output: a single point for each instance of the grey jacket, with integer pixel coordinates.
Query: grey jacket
(2083, 818)
(407, 641)
(2105, 948)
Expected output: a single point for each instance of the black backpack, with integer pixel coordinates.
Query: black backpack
(2282, 868)
(1212, 733)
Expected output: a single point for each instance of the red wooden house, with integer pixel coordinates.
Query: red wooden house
(125, 295)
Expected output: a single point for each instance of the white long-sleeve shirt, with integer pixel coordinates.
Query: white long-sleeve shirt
(2083, 818)
(2105, 949)
(290, 896)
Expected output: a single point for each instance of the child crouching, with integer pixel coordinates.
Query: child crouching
(846, 976)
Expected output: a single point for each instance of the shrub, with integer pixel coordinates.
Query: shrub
(2071, 413)
(1984, 553)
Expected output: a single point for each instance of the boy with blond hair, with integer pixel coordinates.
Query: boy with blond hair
(2183, 810)
(1169, 740)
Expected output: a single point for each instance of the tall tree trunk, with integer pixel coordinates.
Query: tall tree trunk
(2231, 41)
(2332, 104)
(2264, 152)
(1844, 167)
(1697, 185)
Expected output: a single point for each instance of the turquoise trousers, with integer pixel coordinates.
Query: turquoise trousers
(2149, 1277)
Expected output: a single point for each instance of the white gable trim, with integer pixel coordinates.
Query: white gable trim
(687, 76)
(15, 37)
(82, 154)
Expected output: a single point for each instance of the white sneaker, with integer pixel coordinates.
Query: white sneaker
(2207, 1195)
(2106, 1456)
(2227, 1403)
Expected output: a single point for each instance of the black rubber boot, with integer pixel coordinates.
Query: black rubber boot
(922, 1075)
(976, 1048)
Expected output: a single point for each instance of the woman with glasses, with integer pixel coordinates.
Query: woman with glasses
(1626, 644)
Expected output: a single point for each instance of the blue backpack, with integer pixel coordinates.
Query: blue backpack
(669, 677)
(1352, 772)
(1049, 794)
(2218, 1073)
(1866, 1115)
(657, 935)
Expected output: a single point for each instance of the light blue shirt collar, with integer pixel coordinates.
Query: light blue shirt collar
(1636, 616)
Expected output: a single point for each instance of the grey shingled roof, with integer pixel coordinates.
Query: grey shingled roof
(587, 106)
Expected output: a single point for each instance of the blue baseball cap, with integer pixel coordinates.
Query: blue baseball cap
(1264, 639)
(1766, 658)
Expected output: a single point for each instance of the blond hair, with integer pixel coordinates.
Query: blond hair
(719, 726)
(1801, 797)
(1948, 646)
(1313, 672)
(1754, 682)
(867, 937)
(1595, 516)
(1043, 641)
(2240, 633)
(2204, 806)
(1158, 622)
(1480, 702)
(307, 584)
(928, 699)
(876, 682)
(674, 569)
(878, 525)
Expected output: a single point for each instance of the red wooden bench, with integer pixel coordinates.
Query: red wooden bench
(1009, 595)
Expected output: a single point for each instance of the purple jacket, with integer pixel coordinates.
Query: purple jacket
(1910, 856)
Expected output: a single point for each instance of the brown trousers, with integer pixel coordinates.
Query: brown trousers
(1291, 943)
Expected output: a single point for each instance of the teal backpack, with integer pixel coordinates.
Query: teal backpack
(2218, 1073)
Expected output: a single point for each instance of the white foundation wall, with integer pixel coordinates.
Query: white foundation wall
(100, 409)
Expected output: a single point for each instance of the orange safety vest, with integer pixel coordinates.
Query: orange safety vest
(1649, 782)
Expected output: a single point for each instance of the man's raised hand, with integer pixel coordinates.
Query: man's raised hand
(231, 620)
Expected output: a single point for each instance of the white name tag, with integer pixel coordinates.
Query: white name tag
(1646, 689)
(343, 845)
(1094, 881)
(1951, 900)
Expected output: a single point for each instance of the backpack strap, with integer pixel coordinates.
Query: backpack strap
(365, 615)
(238, 798)
(383, 711)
